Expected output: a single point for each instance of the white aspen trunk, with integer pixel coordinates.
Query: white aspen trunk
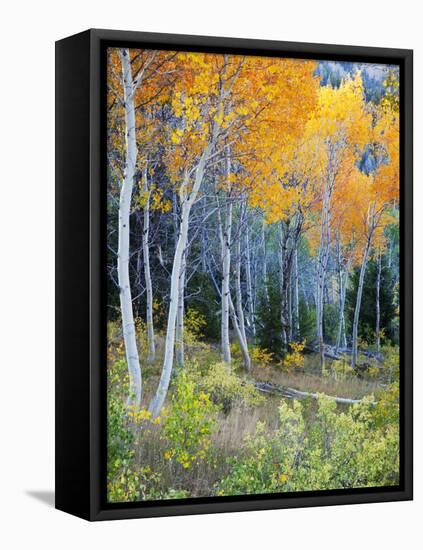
(203, 241)
(296, 294)
(137, 284)
(159, 398)
(343, 287)
(148, 285)
(225, 233)
(282, 285)
(249, 285)
(187, 200)
(128, 326)
(238, 292)
(358, 303)
(323, 258)
(290, 295)
(242, 342)
(340, 299)
(344, 330)
(379, 273)
(179, 344)
(226, 268)
(341, 314)
(263, 238)
(319, 317)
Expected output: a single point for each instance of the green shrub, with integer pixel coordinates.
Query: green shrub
(125, 481)
(294, 359)
(261, 357)
(267, 461)
(228, 389)
(387, 407)
(189, 423)
(338, 450)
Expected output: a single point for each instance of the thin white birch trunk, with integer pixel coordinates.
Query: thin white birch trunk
(238, 292)
(241, 339)
(323, 257)
(131, 152)
(263, 237)
(187, 200)
(225, 236)
(179, 344)
(148, 285)
(379, 273)
(282, 285)
(358, 303)
(187, 197)
(296, 294)
(343, 278)
(289, 293)
(342, 333)
(226, 268)
(251, 316)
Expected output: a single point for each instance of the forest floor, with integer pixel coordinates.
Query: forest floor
(237, 424)
(336, 381)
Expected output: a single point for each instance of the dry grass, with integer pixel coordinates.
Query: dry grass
(200, 479)
(308, 380)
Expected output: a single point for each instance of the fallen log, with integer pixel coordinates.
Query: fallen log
(292, 393)
(370, 354)
(329, 352)
(326, 353)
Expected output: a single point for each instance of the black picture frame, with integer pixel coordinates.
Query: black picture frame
(80, 274)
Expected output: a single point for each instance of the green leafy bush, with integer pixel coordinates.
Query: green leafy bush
(189, 423)
(267, 461)
(338, 450)
(125, 481)
(228, 389)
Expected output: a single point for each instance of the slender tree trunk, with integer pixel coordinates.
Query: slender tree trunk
(188, 196)
(160, 396)
(148, 285)
(319, 316)
(251, 316)
(241, 339)
(139, 272)
(187, 200)
(283, 285)
(296, 294)
(238, 292)
(358, 303)
(179, 337)
(323, 258)
(289, 237)
(340, 300)
(344, 276)
(265, 282)
(290, 298)
(226, 269)
(225, 232)
(203, 241)
(379, 273)
(131, 152)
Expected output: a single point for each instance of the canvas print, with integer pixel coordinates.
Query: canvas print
(252, 275)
